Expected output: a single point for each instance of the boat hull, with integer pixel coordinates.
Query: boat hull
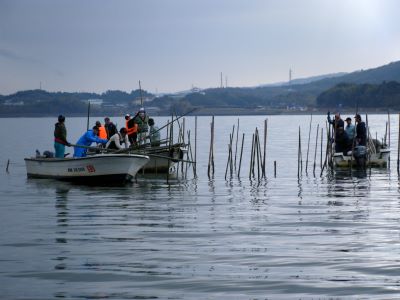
(162, 160)
(379, 160)
(94, 168)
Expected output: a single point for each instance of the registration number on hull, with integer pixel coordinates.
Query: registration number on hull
(89, 168)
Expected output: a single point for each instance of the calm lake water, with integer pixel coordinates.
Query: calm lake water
(333, 236)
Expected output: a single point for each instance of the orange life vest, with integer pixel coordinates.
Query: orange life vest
(102, 132)
(131, 130)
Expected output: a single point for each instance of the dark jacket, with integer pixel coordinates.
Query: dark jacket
(336, 124)
(142, 123)
(361, 134)
(111, 129)
(60, 133)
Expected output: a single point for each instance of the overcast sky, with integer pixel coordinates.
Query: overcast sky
(172, 45)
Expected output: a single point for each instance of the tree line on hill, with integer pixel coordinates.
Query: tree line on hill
(373, 88)
(41, 102)
(384, 95)
(38, 103)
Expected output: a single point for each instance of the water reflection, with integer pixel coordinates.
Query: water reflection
(347, 183)
(62, 223)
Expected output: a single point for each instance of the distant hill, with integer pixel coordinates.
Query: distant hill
(40, 102)
(304, 80)
(281, 96)
(369, 87)
(366, 95)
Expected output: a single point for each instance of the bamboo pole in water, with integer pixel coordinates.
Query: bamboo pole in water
(237, 138)
(398, 148)
(385, 136)
(389, 131)
(187, 153)
(315, 153)
(322, 137)
(88, 116)
(258, 153)
(251, 156)
(167, 138)
(210, 156)
(183, 139)
(171, 132)
(190, 151)
(389, 136)
(195, 147)
(241, 154)
(229, 154)
(231, 149)
(368, 144)
(254, 155)
(328, 141)
(299, 154)
(308, 144)
(265, 146)
(213, 139)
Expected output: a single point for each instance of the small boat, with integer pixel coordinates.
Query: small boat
(97, 168)
(373, 155)
(162, 158)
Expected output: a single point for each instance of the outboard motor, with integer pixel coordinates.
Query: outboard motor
(48, 154)
(360, 155)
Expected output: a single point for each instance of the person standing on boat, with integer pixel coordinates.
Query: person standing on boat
(60, 137)
(350, 129)
(154, 134)
(131, 128)
(116, 141)
(91, 136)
(111, 129)
(102, 130)
(142, 120)
(337, 123)
(361, 131)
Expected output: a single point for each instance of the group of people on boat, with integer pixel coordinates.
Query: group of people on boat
(138, 129)
(349, 137)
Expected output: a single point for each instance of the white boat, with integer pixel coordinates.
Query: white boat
(378, 159)
(116, 168)
(162, 159)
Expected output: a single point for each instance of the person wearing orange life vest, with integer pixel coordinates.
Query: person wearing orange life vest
(102, 130)
(132, 129)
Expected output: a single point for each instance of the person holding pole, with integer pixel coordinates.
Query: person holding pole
(361, 131)
(142, 120)
(154, 134)
(131, 128)
(91, 136)
(111, 129)
(116, 141)
(338, 127)
(60, 137)
(350, 129)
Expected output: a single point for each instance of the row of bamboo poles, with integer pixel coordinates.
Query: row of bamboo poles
(257, 167)
(234, 163)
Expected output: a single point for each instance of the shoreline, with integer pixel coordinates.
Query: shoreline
(219, 112)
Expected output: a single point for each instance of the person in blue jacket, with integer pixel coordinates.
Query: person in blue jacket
(91, 136)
